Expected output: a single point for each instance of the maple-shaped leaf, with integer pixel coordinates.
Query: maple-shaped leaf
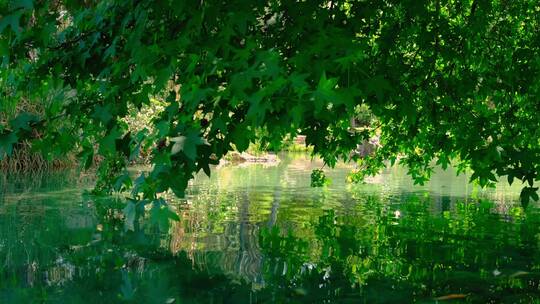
(325, 92)
(188, 144)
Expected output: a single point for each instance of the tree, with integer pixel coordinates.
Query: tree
(447, 80)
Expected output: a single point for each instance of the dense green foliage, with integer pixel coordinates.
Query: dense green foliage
(447, 80)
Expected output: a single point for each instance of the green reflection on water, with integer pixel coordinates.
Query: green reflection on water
(260, 234)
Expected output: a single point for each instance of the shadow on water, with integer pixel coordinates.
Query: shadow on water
(255, 234)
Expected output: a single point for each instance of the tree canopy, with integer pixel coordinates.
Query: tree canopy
(447, 80)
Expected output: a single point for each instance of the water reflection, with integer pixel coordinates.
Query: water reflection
(258, 234)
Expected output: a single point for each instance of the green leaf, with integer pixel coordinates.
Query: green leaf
(6, 143)
(129, 216)
(510, 178)
(122, 182)
(107, 145)
(187, 144)
(172, 214)
(11, 20)
(528, 193)
(102, 114)
(325, 92)
(240, 138)
(206, 168)
(443, 161)
(379, 86)
(163, 128)
(161, 213)
(23, 121)
(4, 47)
(87, 154)
(139, 181)
(123, 145)
(179, 186)
(318, 178)
(162, 77)
(24, 4)
(299, 83)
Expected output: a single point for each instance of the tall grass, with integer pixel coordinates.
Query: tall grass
(23, 158)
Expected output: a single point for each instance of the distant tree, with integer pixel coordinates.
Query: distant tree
(446, 80)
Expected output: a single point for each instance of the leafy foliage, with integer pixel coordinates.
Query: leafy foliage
(445, 79)
(318, 178)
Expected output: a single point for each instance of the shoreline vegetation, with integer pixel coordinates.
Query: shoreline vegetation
(24, 159)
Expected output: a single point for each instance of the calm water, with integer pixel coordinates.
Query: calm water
(260, 234)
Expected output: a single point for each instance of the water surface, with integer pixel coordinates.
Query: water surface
(261, 234)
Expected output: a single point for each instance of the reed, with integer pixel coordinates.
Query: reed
(23, 159)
